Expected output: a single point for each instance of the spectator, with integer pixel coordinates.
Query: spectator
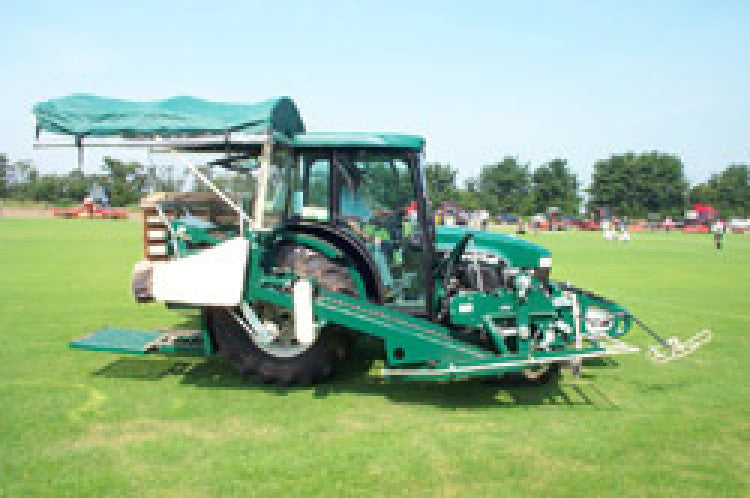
(718, 229)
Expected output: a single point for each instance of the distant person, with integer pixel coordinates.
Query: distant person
(624, 234)
(718, 229)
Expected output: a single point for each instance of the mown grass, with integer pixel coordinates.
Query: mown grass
(86, 424)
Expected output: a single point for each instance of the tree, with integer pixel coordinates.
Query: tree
(468, 200)
(46, 188)
(637, 184)
(441, 182)
(76, 186)
(125, 181)
(728, 191)
(20, 177)
(505, 187)
(4, 168)
(552, 184)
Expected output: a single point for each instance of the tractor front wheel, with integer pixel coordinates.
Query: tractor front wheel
(277, 363)
(285, 361)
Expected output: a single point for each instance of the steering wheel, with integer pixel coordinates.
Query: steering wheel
(448, 266)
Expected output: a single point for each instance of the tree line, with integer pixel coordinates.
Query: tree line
(125, 182)
(630, 184)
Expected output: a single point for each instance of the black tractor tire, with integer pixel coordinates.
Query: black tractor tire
(526, 378)
(313, 365)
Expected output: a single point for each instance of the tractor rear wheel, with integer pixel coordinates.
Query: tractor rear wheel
(537, 375)
(528, 377)
(285, 361)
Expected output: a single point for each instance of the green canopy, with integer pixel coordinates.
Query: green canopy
(83, 114)
(90, 115)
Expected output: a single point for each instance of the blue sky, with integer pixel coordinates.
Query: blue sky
(480, 80)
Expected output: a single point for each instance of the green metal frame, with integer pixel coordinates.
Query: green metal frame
(420, 348)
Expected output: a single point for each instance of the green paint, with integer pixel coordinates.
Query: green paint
(115, 340)
(358, 140)
(208, 348)
(139, 342)
(516, 252)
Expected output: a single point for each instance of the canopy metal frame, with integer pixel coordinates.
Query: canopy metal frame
(179, 146)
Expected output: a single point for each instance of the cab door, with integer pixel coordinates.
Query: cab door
(374, 197)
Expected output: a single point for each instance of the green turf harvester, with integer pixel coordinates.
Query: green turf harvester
(319, 237)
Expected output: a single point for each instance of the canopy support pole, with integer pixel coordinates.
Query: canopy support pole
(79, 148)
(262, 183)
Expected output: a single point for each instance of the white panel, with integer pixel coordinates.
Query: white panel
(212, 277)
(303, 312)
(465, 307)
(157, 250)
(157, 234)
(153, 219)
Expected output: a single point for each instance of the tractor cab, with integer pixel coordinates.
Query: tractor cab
(360, 192)
(369, 189)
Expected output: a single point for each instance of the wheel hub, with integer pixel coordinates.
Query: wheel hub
(280, 325)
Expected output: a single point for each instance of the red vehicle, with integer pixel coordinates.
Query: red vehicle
(95, 205)
(696, 228)
(89, 210)
(588, 225)
(699, 219)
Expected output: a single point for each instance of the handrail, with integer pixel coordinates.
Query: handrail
(243, 215)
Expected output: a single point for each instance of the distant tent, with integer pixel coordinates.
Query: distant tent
(705, 212)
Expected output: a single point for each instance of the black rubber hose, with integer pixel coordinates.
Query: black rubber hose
(650, 332)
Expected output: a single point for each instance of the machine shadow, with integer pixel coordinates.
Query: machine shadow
(355, 377)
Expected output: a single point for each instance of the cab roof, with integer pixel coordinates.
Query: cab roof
(357, 140)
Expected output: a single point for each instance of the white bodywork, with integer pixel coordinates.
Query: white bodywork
(304, 328)
(212, 277)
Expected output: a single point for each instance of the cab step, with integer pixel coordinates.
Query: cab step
(141, 342)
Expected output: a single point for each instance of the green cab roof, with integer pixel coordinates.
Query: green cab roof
(91, 115)
(358, 140)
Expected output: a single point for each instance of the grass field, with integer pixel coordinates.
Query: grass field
(85, 424)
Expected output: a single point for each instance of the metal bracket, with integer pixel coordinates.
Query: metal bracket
(168, 225)
(677, 349)
(252, 324)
